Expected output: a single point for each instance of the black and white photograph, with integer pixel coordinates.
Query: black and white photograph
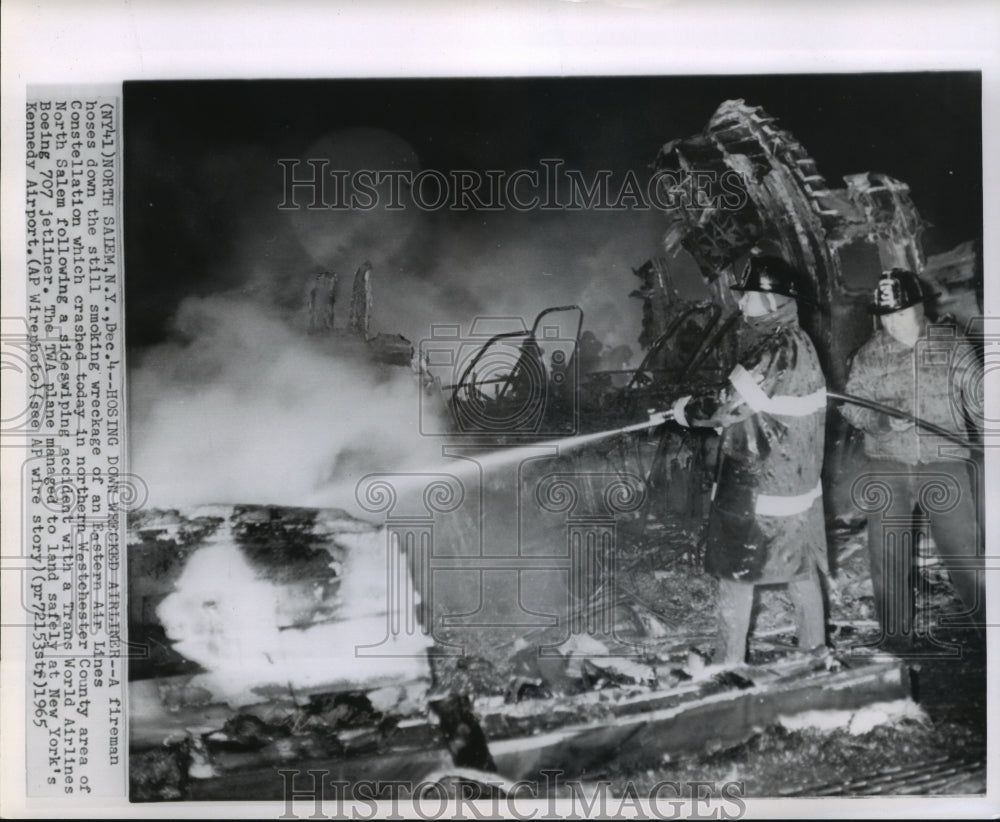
(554, 410)
(559, 438)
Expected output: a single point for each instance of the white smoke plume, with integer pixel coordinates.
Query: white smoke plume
(252, 410)
(519, 265)
(444, 266)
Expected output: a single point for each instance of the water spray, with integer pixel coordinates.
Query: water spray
(558, 446)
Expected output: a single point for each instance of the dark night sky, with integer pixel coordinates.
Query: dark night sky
(203, 184)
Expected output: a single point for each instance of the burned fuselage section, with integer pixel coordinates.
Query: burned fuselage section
(841, 238)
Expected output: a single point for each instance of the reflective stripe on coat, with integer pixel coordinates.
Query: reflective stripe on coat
(767, 517)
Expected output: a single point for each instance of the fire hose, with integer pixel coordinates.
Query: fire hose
(658, 418)
(663, 416)
(930, 427)
(951, 436)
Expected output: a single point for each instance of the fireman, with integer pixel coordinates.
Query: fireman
(937, 378)
(767, 522)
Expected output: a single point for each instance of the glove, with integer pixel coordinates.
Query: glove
(677, 410)
(702, 408)
(897, 424)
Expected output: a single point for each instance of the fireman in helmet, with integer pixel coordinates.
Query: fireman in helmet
(938, 378)
(767, 522)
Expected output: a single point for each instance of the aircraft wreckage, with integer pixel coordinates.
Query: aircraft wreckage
(480, 626)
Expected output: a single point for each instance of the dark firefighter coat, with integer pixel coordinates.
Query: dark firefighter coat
(767, 522)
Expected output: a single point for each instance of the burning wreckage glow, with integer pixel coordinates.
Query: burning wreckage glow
(243, 628)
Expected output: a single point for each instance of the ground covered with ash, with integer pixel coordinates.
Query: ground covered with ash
(940, 749)
(664, 604)
(936, 746)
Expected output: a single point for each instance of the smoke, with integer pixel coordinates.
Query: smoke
(516, 265)
(446, 266)
(241, 405)
(246, 408)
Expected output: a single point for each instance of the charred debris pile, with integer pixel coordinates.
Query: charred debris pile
(264, 636)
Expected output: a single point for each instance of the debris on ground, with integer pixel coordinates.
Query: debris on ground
(483, 702)
(859, 721)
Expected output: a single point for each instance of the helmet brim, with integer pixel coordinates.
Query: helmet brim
(880, 311)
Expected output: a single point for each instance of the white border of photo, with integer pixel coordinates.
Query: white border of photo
(97, 43)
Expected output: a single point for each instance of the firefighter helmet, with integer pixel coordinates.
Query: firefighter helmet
(774, 276)
(898, 289)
